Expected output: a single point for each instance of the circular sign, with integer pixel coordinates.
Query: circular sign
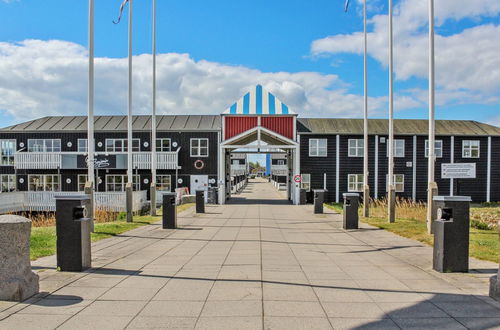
(99, 144)
(146, 181)
(297, 178)
(179, 181)
(146, 144)
(21, 180)
(174, 144)
(211, 181)
(68, 180)
(21, 144)
(199, 164)
(69, 144)
(439, 213)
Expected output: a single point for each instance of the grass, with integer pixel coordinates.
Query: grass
(484, 240)
(43, 239)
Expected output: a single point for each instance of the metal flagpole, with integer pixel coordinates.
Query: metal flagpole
(129, 187)
(153, 121)
(391, 192)
(90, 184)
(366, 189)
(432, 186)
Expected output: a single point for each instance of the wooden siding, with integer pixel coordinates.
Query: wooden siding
(495, 169)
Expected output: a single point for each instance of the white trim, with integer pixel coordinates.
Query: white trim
(60, 145)
(396, 148)
(199, 148)
(123, 144)
(86, 145)
(357, 148)
(44, 176)
(324, 181)
(452, 160)
(358, 184)
(414, 164)
(426, 149)
(161, 139)
(337, 171)
(376, 167)
(318, 148)
(488, 173)
(13, 154)
(395, 182)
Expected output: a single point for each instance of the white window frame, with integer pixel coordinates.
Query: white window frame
(7, 183)
(356, 147)
(159, 145)
(399, 185)
(124, 180)
(316, 149)
(7, 159)
(399, 148)
(198, 148)
(305, 183)
(355, 185)
(467, 146)
(85, 179)
(123, 147)
(45, 145)
(85, 145)
(55, 186)
(438, 149)
(161, 186)
(280, 162)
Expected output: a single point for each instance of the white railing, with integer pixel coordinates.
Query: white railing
(164, 160)
(38, 160)
(38, 201)
(279, 169)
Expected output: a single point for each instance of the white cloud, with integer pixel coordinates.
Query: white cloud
(467, 63)
(40, 78)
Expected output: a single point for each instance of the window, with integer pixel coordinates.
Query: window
(317, 147)
(7, 182)
(280, 162)
(306, 182)
(356, 147)
(399, 182)
(83, 145)
(438, 148)
(46, 182)
(163, 145)
(82, 180)
(7, 151)
(163, 183)
(399, 148)
(120, 145)
(44, 145)
(199, 147)
(118, 182)
(470, 149)
(355, 182)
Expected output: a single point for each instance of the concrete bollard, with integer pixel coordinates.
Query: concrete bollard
(495, 286)
(17, 281)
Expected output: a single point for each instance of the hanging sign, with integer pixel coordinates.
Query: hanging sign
(100, 161)
(297, 178)
(458, 171)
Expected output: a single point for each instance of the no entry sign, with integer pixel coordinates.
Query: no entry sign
(297, 178)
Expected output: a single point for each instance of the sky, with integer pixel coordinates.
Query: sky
(308, 53)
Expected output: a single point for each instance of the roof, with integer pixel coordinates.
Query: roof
(119, 123)
(258, 101)
(401, 127)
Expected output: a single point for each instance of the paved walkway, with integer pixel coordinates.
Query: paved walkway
(269, 265)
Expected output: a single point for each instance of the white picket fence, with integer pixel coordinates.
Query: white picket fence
(37, 201)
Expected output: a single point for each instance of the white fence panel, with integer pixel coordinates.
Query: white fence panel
(38, 160)
(11, 202)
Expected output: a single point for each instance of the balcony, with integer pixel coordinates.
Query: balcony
(238, 169)
(279, 169)
(75, 160)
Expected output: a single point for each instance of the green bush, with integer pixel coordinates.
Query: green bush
(479, 225)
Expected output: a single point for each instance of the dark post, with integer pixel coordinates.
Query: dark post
(73, 233)
(200, 201)
(169, 219)
(319, 199)
(351, 205)
(303, 197)
(451, 234)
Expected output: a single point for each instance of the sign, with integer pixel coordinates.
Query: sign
(100, 161)
(458, 171)
(297, 178)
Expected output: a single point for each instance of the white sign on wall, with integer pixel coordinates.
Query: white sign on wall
(458, 171)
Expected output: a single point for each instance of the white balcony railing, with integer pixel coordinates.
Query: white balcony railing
(279, 169)
(238, 169)
(53, 160)
(39, 201)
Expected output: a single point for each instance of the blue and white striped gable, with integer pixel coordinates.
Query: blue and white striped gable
(258, 101)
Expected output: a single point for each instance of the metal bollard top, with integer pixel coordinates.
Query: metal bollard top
(452, 198)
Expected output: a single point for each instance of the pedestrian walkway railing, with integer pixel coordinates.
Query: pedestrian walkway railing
(44, 201)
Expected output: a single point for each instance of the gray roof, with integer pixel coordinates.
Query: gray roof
(119, 123)
(401, 127)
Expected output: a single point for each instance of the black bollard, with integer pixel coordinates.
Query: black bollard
(169, 219)
(73, 233)
(350, 214)
(319, 199)
(200, 201)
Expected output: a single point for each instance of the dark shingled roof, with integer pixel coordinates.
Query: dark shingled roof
(119, 123)
(401, 127)
(213, 123)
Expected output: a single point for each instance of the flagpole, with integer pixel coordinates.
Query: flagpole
(90, 185)
(391, 192)
(130, 177)
(366, 191)
(432, 186)
(153, 120)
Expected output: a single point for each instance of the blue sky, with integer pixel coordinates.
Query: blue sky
(306, 52)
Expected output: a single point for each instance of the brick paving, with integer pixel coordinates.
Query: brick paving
(257, 263)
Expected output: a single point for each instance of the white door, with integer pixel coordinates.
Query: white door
(199, 182)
